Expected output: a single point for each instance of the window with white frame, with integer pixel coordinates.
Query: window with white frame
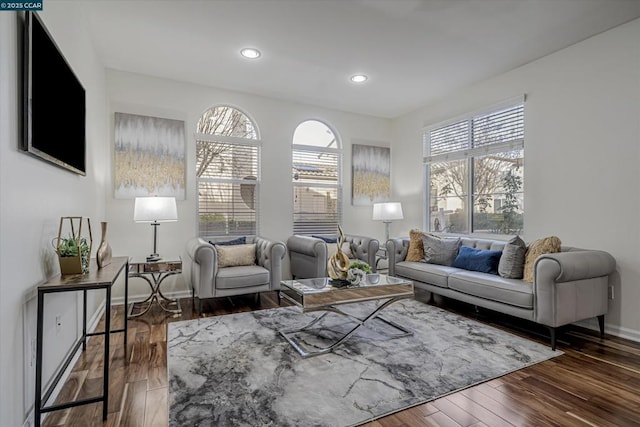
(315, 174)
(227, 173)
(474, 172)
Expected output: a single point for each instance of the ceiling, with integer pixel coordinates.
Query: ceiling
(414, 51)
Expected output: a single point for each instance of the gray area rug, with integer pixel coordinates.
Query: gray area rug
(236, 370)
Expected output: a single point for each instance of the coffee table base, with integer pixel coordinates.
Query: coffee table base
(288, 334)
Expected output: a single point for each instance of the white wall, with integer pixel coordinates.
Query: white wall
(582, 153)
(33, 197)
(276, 122)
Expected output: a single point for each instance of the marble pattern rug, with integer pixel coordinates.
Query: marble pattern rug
(237, 370)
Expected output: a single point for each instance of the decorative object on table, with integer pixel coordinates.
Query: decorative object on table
(103, 254)
(357, 272)
(338, 263)
(387, 212)
(73, 251)
(371, 177)
(155, 210)
(149, 156)
(447, 352)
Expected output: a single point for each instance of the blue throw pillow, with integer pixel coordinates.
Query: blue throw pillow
(482, 260)
(327, 239)
(237, 241)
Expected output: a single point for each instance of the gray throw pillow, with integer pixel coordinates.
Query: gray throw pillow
(511, 265)
(440, 251)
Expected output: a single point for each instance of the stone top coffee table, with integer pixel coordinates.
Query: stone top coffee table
(321, 294)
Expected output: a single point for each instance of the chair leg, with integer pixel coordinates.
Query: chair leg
(256, 298)
(552, 332)
(601, 324)
(279, 297)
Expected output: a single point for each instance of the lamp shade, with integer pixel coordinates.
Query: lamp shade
(155, 209)
(388, 211)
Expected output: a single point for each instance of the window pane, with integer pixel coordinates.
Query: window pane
(448, 196)
(314, 167)
(226, 121)
(222, 160)
(227, 209)
(498, 193)
(316, 210)
(315, 133)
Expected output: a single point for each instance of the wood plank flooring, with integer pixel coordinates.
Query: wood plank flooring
(595, 383)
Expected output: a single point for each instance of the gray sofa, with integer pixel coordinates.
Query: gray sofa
(308, 255)
(201, 272)
(569, 286)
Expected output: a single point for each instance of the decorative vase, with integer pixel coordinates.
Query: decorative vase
(103, 254)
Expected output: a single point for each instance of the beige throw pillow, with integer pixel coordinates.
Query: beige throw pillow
(415, 253)
(548, 245)
(236, 255)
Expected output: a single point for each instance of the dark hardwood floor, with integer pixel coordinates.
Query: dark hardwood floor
(595, 383)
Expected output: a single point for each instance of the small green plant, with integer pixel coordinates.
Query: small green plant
(73, 247)
(361, 265)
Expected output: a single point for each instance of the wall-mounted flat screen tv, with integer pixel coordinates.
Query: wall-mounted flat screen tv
(53, 101)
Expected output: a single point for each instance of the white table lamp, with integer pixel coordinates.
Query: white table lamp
(387, 212)
(155, 210)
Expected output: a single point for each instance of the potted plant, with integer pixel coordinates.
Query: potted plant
(73, 251)
(357, 272)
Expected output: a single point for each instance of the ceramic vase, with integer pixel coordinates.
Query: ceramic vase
(103, 254)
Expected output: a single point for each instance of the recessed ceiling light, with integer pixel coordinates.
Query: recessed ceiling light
(359, 78)
(251, 53)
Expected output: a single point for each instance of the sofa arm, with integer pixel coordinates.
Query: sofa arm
(571, 286)
(364, 248)
(577, 265)
(396, 252)
(269, 254)
(200, 267)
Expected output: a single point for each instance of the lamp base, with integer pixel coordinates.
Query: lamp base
(154, 257)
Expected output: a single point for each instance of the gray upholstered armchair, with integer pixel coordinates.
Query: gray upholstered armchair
(232, 272)
(309, 255)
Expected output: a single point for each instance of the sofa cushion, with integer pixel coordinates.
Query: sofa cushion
(511, 264)
(415, 252)
(507, 291)
(548, 245)
(242, 277)
(440, 251)
(236, 255)
(484, 261)
(432, 274)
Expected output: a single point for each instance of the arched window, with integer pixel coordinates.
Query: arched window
(227, 173)
(316, 177)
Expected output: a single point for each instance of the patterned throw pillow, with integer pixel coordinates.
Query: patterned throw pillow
(511, 264)
(237, 241)
(416, 248)
(548, 245)
(440, 251)
(236, 255)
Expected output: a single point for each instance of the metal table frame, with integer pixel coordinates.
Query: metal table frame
(96, 279)
(331, 307)
(154, 273)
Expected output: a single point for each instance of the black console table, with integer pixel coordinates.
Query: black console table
(103, 278)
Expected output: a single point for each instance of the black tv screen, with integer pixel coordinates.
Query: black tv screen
(54, 101)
